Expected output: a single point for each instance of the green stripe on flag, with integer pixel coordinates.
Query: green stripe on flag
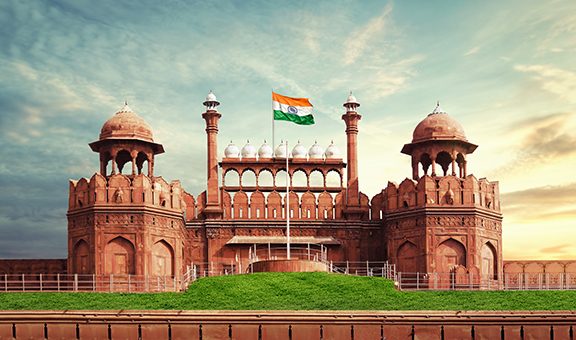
(301, 120)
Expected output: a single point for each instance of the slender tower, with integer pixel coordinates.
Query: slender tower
(351, 117)
(213, 210)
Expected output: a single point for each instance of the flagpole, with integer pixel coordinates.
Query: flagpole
(287, 206)
(273, 142)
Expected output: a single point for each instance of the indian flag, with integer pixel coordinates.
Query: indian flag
(297, 110)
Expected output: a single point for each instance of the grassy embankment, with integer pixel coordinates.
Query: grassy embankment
(295, 291)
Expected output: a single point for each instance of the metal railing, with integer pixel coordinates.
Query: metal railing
(471, 281)
(89, 282)
(277, 252)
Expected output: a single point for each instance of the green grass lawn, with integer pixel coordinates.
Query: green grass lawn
(295, 291)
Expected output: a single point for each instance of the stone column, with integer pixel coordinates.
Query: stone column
(351, 119)
(213, 209)
(415, 169)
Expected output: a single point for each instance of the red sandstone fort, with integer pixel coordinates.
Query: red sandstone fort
(127, 220)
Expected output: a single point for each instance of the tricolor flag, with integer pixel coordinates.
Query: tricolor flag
(297, 110)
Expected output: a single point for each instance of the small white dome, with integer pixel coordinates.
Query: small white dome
(248, 151)
(332, 151)
(316, 151)
(211, 97)
(232, 151)
(299, 151)
(281, 150)
(351, 102)
(265, 151)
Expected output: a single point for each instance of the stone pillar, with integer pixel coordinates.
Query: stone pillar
(453, 166)
(211, 116)
(415, 169)
(351, 119)
(113, 165)
(433, 166)
(102, 165)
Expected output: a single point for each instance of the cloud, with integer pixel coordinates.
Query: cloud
(358, 41)
(544, 203)
(472, 51)
(541, 139)
(553, 79)
(561, 248)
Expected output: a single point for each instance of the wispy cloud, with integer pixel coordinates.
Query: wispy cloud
(553, 79)
(472, 51)
(357, 42)
(561, 248)
(541, 139)
(544, 203)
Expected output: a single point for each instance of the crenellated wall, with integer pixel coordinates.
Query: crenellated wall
(437, 192)
(126, 225)
(442, 224)
(123, 189)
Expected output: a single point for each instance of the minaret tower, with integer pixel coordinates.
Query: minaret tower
(351, 117)
(213, 210)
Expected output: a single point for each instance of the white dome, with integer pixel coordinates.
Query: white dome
(281, 150)
(248, 151)
(265, 151)
(351, 101)
(232, 151)
(316, 151)
(299, 151)
(332, 151)
(211, 97)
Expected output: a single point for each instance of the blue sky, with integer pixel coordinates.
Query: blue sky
(504, 69)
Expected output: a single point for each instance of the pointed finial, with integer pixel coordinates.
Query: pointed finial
(125, 101)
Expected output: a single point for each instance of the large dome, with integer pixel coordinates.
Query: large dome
(126, 125)
(438, 125)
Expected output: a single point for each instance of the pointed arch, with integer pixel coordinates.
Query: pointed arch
(119, 257)
(240, 206)
(162, 259)
(81, 256)
(449, 255)
(489, 265)
(257, 205)
(325, 206)
(308, 206)
(274, 205)
(407, 257)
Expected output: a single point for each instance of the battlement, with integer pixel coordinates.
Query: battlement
(437, 192)
(125, 190)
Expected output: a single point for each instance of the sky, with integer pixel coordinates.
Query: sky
(504, 69)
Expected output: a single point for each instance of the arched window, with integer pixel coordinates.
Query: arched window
(299, 179)
(444, 160)
(333, 179)
(316, 179)
(231, 178)
(141, 160)
(265, 178)
(122, 158)
(248, 178)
